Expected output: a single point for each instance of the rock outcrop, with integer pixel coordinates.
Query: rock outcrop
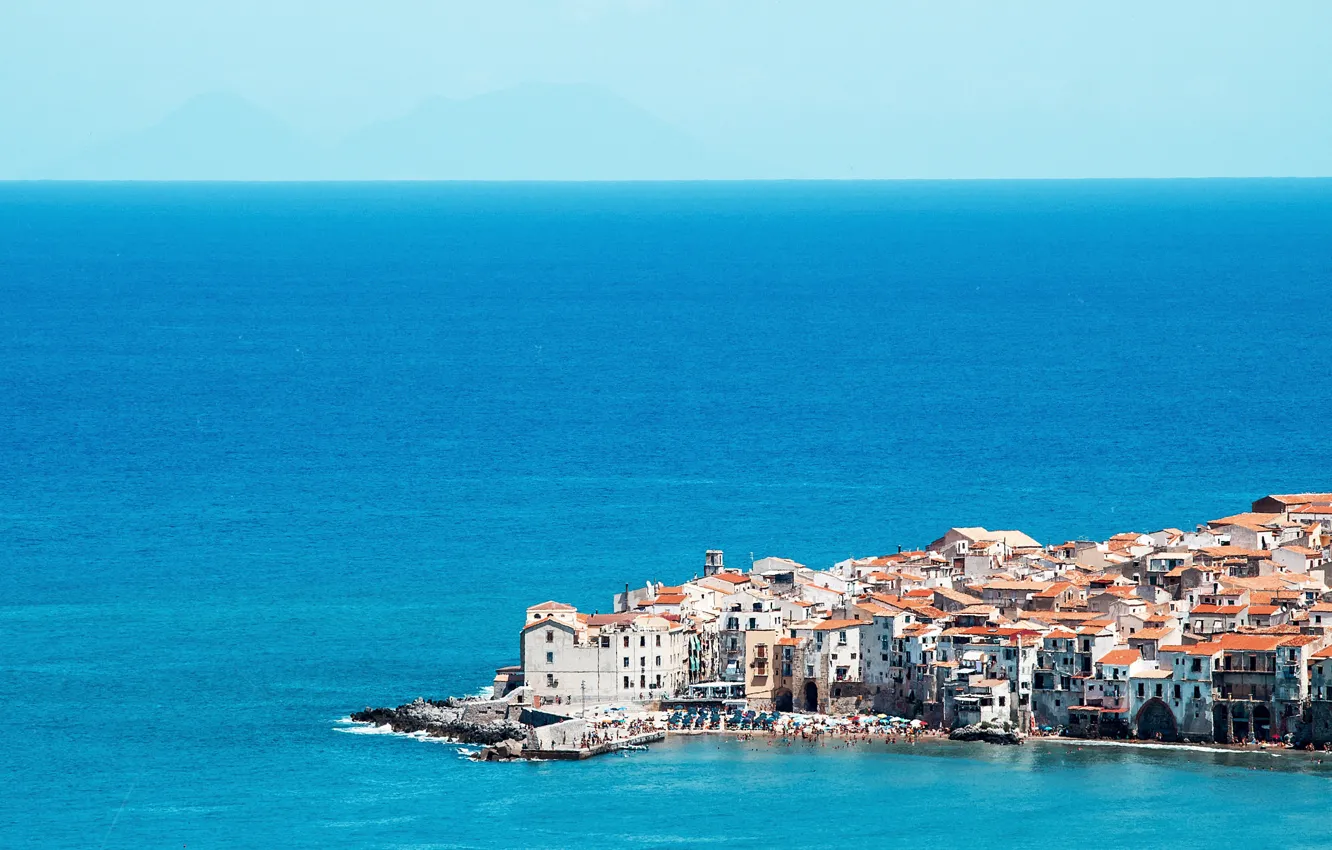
(989, 732)
(502, 751)
(448, 718)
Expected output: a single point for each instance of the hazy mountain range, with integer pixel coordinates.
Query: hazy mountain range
(550, 132)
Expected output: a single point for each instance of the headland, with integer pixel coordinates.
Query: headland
(1219, 636)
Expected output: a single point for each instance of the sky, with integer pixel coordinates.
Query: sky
(847, 89)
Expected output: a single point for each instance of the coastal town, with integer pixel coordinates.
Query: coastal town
(1220, 634)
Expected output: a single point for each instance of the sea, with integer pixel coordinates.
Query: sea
(272, 453)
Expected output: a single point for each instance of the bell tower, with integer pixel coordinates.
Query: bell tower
(712, 562)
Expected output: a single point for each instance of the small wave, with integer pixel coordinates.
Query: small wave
(366, 729)
(352, 824)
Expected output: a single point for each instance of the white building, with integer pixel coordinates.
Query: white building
(578, 660)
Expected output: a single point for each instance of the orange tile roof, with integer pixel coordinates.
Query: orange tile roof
(837, 625)
(1120, 657)
(1232, 552)
(1250, 643)
(1151, 634)
(733, 578)
(1253, 521)
(1302, 498)
(1191, 649)
(1300, 640)
(1055, 590)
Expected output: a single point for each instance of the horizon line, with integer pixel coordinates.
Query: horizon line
(639, 180)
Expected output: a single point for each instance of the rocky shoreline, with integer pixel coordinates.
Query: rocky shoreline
(988, 732)
(458, 720)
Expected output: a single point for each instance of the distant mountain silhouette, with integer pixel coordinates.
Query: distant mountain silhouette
(532, 132)
(210, 137)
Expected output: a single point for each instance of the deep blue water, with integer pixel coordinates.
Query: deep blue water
(269, 454)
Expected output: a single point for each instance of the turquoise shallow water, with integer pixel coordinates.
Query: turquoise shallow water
(269, 454)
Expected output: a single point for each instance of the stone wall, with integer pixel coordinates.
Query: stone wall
(485, 711)
(557, 736)
(1320, 721)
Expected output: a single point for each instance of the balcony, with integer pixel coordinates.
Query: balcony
(1255, 693)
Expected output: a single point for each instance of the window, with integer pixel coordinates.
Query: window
(758, 606)
(1158, 690)
(1057, 703)
(1140, 689)
(642, 640)
(1176, 691)
(642, 661)
(658, 661)
(550, 635)
(626, 640)
(550, 680)
(658, 680)
(1197, 692)
(605, 641)
(626, 679)
(550, 658)
(1196, 666)
(1002, 700)
(658, 640)
(753, 623)
(841, 637)
(626, 661)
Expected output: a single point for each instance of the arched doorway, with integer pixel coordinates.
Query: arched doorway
(811, 697)
(1239, 722)
(783, 700)
(1155, 720)
(1221, 724)
(1262, 723)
